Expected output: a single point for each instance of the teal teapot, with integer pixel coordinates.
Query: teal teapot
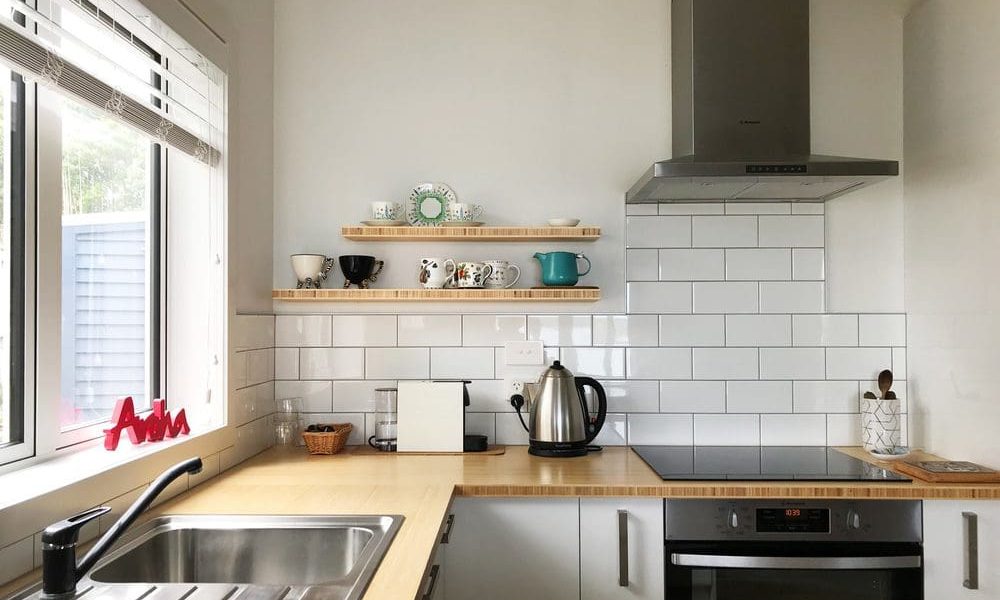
(559, 268)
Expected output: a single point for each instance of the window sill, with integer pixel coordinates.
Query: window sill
(87, 475)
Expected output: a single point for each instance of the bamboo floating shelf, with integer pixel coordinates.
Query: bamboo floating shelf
(439, 295)
(466, 234)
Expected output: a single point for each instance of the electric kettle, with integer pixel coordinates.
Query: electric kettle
(559, 421)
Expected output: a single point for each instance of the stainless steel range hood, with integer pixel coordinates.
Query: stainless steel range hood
(741, 111)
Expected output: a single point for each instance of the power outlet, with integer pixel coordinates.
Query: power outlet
(513, 386)
(524, 353)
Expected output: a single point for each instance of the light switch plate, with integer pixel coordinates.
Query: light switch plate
(524, 353)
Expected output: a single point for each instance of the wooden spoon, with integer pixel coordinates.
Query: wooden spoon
(890, 395)
(884, 381)
(870, 396)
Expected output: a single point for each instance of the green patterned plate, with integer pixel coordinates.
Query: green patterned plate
(429, 204)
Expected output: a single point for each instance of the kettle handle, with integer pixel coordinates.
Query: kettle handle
(602, 405)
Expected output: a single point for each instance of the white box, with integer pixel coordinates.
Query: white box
(430, 417)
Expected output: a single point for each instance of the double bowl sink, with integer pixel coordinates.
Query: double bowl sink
(227, 557)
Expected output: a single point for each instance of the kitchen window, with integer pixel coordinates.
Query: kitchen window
(98, 126)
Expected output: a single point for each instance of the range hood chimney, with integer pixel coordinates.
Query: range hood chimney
(741, 111)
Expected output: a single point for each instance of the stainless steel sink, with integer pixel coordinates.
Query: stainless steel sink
(250, 557)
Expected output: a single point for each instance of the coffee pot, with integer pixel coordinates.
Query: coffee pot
(559, 421)
(559, 268)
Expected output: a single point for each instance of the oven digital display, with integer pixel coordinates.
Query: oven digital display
(793, 520)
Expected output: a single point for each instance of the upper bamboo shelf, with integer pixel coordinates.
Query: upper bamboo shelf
(581, 294)
(466, 234)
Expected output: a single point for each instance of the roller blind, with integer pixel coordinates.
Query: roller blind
(129, 65)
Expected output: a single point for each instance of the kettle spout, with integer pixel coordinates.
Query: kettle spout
(542, 257)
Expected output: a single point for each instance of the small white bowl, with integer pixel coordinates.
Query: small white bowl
(563, 222)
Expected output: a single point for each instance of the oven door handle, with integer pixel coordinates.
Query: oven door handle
(826, 563)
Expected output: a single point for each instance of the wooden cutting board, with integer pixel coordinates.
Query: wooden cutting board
(491, 450)
(947, 471)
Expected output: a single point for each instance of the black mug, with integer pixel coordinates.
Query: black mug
(360, 270)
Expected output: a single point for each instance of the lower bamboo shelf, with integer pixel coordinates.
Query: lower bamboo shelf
(440, 295)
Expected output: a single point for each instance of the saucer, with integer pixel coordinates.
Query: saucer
(897, 454)
(461, 223)
(384, 223)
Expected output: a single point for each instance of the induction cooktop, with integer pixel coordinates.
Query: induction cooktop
(761, 463)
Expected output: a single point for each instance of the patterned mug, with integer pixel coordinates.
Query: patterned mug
(435, 272)
(471, 274)
(387, 211)
(463, 211)
(498, 279)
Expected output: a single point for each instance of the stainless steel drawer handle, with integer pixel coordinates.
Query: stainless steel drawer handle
(446, 536)
(970, 536)
(795, 562)
(623, 548)
(433, 577)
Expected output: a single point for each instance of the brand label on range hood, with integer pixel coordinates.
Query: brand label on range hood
(783, 169)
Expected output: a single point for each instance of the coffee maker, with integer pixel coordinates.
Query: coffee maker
(559, 421)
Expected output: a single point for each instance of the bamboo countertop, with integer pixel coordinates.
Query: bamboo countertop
(421, 489)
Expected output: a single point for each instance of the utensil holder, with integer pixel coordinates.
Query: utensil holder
(327, 442)
(880, 424)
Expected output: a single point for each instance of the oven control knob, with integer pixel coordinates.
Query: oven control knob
(853, 519)
(734, 519)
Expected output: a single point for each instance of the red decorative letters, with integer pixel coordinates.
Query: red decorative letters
(153, 428)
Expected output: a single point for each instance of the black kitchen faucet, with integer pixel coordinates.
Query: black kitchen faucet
(60, 571)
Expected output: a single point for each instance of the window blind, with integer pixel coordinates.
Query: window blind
(99, 54)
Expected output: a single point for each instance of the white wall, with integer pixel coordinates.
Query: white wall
(553, 107)
(953, 225)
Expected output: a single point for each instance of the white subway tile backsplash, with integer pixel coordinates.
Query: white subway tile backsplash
(856, 363)
(486, 395)
(510, 432)
(791, 297)
(642, 264)
(317, 396)
(632, 396)
(260, 366)
(462, 363)
(625, 330)
(482, 424)
(658, 232)
(826, 396)
(286, 363)
(332, 363)
(725, 363)
(492, 330)
(687, 264)
(758, 264)
(251, 332)
(397, 363)
(364, 330)
(692, 396)
(665, 430)
(758, 330)
(808, 264)
(560, 330)
(699, 208)
(17, 559)
(793, 430)
(758, 208)
(614, 432)
(843, 430)
(792, 363)
(595, 362)
(899, 362)
(726, 430)
(302, 330)
(659, 363)
(825, 330)
(357, 396)
(692, 330)
(795, 231)
(725, 297)
(724, 232)
(430, 330)
(758, 396)
(658, 297)
(882, 330)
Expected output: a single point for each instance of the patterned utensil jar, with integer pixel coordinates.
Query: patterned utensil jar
(880, 425)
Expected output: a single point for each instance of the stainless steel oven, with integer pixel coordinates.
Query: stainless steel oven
(793, 550)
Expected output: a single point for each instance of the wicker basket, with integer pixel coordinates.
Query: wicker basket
(318, 442)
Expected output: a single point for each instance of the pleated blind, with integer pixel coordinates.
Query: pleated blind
(100, 53)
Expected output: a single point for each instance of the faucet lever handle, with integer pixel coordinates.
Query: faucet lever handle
(66, 532)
